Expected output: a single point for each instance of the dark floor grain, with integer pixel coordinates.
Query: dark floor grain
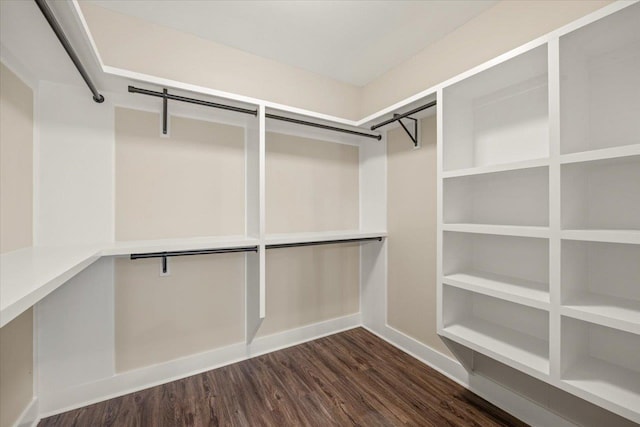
(349, 379)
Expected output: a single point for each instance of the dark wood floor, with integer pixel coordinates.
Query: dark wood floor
(351, 378)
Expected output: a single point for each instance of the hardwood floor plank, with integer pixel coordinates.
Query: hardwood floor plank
(349, 379)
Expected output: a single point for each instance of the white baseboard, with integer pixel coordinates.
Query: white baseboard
(29, 416)
(139, 379)
(520, 407)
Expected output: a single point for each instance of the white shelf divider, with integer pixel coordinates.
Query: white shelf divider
(526, 353)
(501, 230)
(610, 236)
(501, 167)
(28, 275)
(165, 245)
(601, 154)
(520, 291)
(614, 312)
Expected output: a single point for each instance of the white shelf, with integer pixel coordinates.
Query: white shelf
(611, 236)
(504, 167)
(524, 352)
(28, 275)
(163, 245)
(520, 291)
(614, 387)
(290, 238)
(501, 230)
(614, 312)
(602, 154)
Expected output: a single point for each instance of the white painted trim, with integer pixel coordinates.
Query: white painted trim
(128, 382)
(516, 405)
(29, 416)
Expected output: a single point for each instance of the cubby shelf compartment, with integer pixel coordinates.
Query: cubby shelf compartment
(499, 115)
(477, 321)
(602, 365)
(601, 194)
(515, 197)
(600, 83)
(503, 167)
(600, 283)
(514, 269)
(520, 291)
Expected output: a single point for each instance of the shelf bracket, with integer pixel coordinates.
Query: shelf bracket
(413, 134)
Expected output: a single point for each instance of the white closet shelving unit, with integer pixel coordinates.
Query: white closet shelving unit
(539, 168)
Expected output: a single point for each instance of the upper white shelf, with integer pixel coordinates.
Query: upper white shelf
(292, 238)
(28, 275)
(520, 291)
(501, 167)
(614, 312)
(602, 154)
(611, 236)
(502, 230)
(164, 245)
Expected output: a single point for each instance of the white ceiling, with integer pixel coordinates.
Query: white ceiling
(350, 41)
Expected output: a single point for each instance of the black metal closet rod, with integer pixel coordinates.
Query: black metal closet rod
(194, 252)
(321, 242)
(321, 126)
(57, 29)
(402, 116)
(167, 95)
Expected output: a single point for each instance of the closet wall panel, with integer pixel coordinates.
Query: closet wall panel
(16, 162)
(312, 185)
(16, 225)
(200, 306)
(186, 185)
(411, 295)
(311, 284)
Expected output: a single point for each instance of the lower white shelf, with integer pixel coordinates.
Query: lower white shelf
(615, 387)
(521, 291)
(527, 353)
(619, 313)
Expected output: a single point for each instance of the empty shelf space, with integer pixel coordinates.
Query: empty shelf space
(601, 194)
(165, 245)
(618, 386)
(503, 344)
(516, 197)
(501, 230)
(615, 312)
(325, 236)
(521, 291)
(503, 167)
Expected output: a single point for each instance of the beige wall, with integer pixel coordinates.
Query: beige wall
(310, 284)
(411, 225)
(499, 29)
(311, 185)
(16, 367)
(200, 306)
(16, 217)
(134, 44)
(16, 162)
(186, 185)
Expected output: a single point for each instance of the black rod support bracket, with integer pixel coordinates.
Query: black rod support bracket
(164, 114)
(413, 133)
